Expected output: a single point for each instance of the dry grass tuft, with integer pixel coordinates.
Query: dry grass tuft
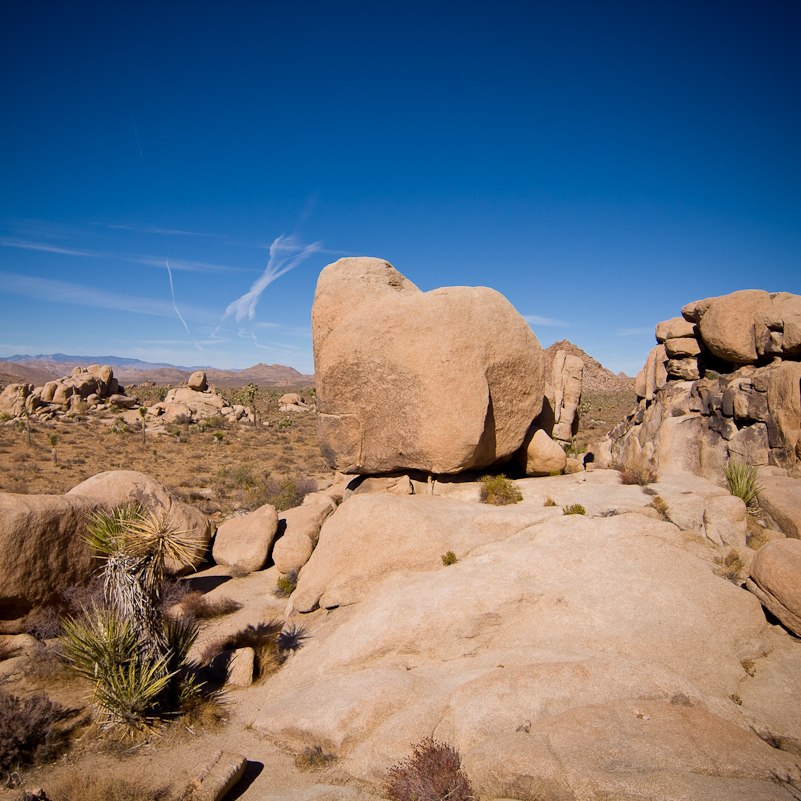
(640, 473)
(550, 502)
(432, 773)
(198, 606)
(82, 785)
(660, 506)
(732, 567)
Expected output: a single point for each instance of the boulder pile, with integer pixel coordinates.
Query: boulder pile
(85, 389)
(441, 381)
(195, 402)
(722, 383)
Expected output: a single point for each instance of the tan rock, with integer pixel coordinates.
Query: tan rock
(394, 485)
(776, 572)
(541, 456)
(117, 487)
(12, 399)
(784, 405)
(639, 384)
(674, 327)
(686, 369)
(725, 520)
(442, 381)
(727, 327)
(299, 530)
(244, 542)
(682, 347)
(780, 500)
(778, 328)
(216, 778)
(175, 413)
(41, 539)
(197, 381)
(240, 667)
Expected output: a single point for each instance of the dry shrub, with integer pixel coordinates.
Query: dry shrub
(499, 490)
(550, 502)
(313, 759)
(198, 606)
(432, 773)
(82, 785)
(28, 733)
(732, 567)
(660, 506)
(640, 473)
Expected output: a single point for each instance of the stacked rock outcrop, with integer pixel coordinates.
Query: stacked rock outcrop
(722, 383)
(195, 402)
(86, 387)
(441, 381)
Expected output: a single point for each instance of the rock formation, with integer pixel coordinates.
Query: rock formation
(722, 383)
(441, 381)
(85, 388)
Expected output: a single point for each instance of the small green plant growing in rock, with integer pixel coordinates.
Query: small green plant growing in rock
(432, 773)
(286, 584)
(449, 558)
(575, 509)
(743, 482)
(499, 490)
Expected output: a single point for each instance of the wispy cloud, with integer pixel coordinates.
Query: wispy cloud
(535, 319)
(286, 253)
(150, 229)
(152, 261)
(48, 289)
(633, 332)
(175, 305)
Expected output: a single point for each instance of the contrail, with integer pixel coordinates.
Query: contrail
(136, 134)
(245, 306)
(175, 306)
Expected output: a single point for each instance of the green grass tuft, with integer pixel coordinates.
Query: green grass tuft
(575, 509)
(743, 482)
(449, 558)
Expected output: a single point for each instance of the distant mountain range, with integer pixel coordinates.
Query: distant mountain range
(47, 367)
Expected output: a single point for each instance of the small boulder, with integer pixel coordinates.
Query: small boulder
(675, 327)
(541, 456)
(245, 542)
(301, 530)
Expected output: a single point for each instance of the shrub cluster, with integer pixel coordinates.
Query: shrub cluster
(27, 733)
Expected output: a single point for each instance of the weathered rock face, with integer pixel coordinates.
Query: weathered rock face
(441, 381)
(558, 653)
(559, 417)
(41, 539)
(747, 407)
(117, 487)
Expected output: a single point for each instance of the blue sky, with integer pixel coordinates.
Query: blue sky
(600, 164)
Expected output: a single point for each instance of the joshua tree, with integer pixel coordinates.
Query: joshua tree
(142, 413)
(125, 647)
(247, 397)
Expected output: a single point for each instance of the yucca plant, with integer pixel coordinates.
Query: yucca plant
(126, 648)
(743, 482)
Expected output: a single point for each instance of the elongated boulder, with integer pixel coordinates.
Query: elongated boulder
(441, 381)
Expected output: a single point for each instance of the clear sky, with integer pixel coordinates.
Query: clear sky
(599, 163)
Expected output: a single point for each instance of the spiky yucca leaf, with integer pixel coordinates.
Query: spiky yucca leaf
(743, 482)
(155, 536)
(181, 636)
(128, 694)
(105, 531)
(97, 642)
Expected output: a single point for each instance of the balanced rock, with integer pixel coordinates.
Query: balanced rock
(441, 381)
(197, 381)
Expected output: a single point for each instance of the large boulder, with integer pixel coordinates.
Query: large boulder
(540, 455)
(12, 399)
(117, 487)
(44, 553)
(776, 580)
(197, 381)
(440, 381)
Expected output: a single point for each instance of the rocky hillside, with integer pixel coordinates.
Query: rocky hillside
(596, 377)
